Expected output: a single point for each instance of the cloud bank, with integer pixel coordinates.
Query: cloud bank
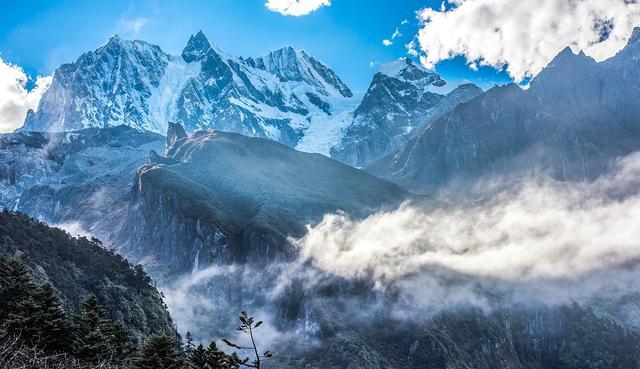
(547, 240)
(296, 7)
(525, 35)
(544, 242)
(15, 98)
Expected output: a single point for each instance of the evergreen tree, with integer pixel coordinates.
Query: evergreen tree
(188, 344)
(218, 359)
(90, 343)
(97, 338)
(50, 320)
(19, 309)
(198, 357)
(120, 344)
(16, 286)
(159, 352)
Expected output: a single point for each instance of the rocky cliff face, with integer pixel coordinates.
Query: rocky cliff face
(278, 96)
(224, 196)
(402, 99)
(80, 180)
(565, 124)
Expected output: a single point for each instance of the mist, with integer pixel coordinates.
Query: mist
(542, 241)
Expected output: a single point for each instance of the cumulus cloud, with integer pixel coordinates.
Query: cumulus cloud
(15, 98)
(546, 239)
(296, 7)
(525, 35)
(387, 42)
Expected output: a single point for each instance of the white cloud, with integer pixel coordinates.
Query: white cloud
(525, 35)
(396, 34)
(296, 7)
(538, 239)
(132, 27)
(15, 98)
(412, 48)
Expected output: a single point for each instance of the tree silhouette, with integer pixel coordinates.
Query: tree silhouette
(247, 326)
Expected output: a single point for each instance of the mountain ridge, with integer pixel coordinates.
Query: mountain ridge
(277, 96)
(563, 125)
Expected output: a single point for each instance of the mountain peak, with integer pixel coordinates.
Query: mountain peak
(406, 70)
(197, 46)
(568, 57)
(635, 36)
(285, 49)
(396, 67)
(114, 41)
(175, 131)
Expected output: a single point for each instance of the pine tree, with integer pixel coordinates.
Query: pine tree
(216, 358)
(198, 357)
(159, 352)
(17, 295)
(188, 344)
(50, 320)
(91, 339)
(16, 286)
(119, 342)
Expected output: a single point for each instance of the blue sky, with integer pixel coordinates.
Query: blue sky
(41, 35)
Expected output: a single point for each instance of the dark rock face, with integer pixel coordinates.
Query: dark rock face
(168, 242)
(228, 197)
(401, 100)
(133, 83)
(574, 119)
(175, 132)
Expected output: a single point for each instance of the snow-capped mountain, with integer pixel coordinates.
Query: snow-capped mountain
(277, 96)
(577, 116)
(402, 98)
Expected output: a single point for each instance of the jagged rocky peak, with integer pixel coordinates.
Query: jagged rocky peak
(402, 98)
(289, 64)
(175, 131)
(197, 47)
(278, 96)
(285, 63)
(406, 70)
(568, 57)
(136, 50)
(631, 52)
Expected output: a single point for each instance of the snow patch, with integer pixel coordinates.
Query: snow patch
(164, 99)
